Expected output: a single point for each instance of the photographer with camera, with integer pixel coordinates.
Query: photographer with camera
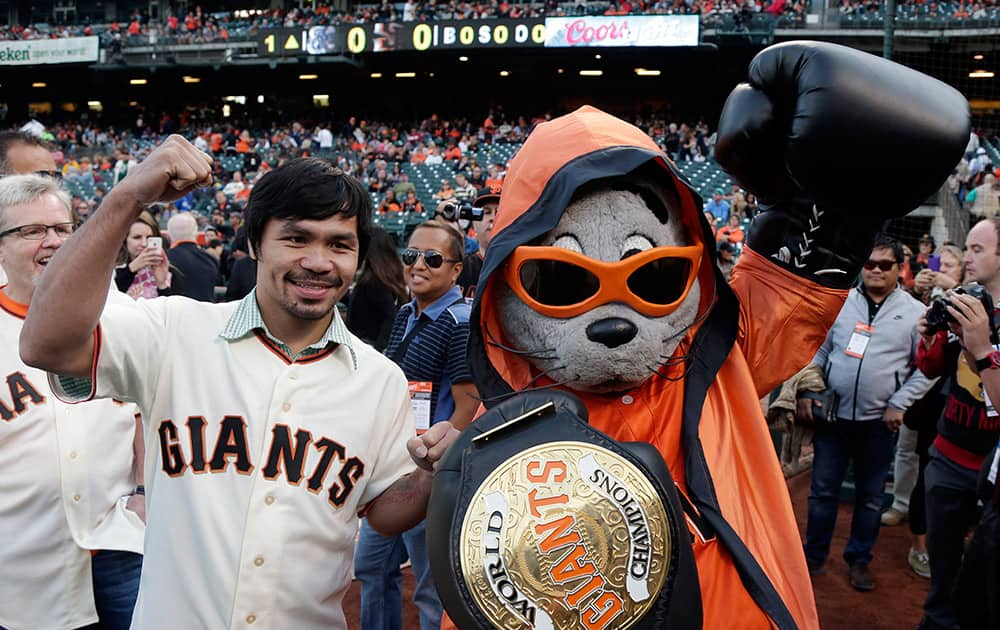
(959, 339)
(456, 213)
(867, 358)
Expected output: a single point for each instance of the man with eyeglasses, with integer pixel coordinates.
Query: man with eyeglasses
(868, 357)
(967, 434)
(71, 497)
(22, 153)
(428, 341)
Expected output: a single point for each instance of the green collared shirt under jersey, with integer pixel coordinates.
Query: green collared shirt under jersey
(247, 318)
(244, 320)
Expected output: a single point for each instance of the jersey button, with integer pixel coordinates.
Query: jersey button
(268, 499)
(285, 407)
(251, 618)
(259, 560)
(76, 497)
(72, 454)
(627, 400)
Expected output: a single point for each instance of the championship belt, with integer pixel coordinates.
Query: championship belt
(537, 520)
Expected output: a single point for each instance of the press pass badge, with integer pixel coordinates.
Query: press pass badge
(858, 342)
(420, 402)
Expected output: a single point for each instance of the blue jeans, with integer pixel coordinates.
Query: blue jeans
(376, 565)
(868, 443)
(116, 586)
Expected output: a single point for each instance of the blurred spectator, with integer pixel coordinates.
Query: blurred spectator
(920, 423)
(727, 258)
(378, 293)
(411, 203)
(143, 272)
(194, 270)
(718, 206)
(24, 153)
(732, 232)
(389, 203)
(464, 191)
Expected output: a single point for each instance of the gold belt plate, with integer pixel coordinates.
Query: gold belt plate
(566, 535)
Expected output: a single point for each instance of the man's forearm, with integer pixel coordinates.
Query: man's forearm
(67, 303)
(403, 505)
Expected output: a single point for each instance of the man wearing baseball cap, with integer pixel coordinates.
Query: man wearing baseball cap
(489, 200)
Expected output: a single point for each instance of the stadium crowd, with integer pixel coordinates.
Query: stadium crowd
(385, 156)
(196, 26)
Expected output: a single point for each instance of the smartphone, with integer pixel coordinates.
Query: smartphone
(154, 243)
(934, 262)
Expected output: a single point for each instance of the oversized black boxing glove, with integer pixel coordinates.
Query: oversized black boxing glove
(833, 142)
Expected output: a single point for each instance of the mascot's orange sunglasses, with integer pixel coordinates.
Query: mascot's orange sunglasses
(557, 282)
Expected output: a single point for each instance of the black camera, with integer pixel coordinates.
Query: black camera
(938, 317)
(456, 210)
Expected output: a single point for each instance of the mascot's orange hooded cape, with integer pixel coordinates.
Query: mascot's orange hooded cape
(705, 418)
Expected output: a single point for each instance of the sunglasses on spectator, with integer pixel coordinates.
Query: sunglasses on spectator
(37, 231)
(432, 258)
(884, 265)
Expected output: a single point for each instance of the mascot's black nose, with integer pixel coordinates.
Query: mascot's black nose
(612, 332)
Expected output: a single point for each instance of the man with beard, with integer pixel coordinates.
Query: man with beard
(276, 426)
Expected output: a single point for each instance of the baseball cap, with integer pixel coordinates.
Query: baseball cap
(726, 246)
(487, 195)
(927, 238)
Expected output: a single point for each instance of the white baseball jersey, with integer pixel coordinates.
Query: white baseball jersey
(64, 473)
(257, 465)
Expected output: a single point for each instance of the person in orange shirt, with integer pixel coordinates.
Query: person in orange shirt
(243, 143)
(389, 202)
(453, 152)
(731, 232)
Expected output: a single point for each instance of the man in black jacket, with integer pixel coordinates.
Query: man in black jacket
(194, 270)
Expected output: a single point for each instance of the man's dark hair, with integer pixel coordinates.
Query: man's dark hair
(312, 189)
(10, 139)
(884, 241)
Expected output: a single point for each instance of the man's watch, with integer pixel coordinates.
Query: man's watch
(990, 362)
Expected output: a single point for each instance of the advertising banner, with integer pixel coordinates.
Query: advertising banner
(622, 30)
(38, 51)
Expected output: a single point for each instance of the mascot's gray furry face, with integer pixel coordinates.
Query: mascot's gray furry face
(611, 348)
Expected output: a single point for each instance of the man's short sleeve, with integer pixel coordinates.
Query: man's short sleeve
(392, 460)
(129, 351)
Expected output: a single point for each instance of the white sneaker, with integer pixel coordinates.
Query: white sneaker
(919, 563)
(892, 517)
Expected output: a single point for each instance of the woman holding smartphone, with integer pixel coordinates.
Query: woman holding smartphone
(143, 271)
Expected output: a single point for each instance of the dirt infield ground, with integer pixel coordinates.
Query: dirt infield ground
(895, 604)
